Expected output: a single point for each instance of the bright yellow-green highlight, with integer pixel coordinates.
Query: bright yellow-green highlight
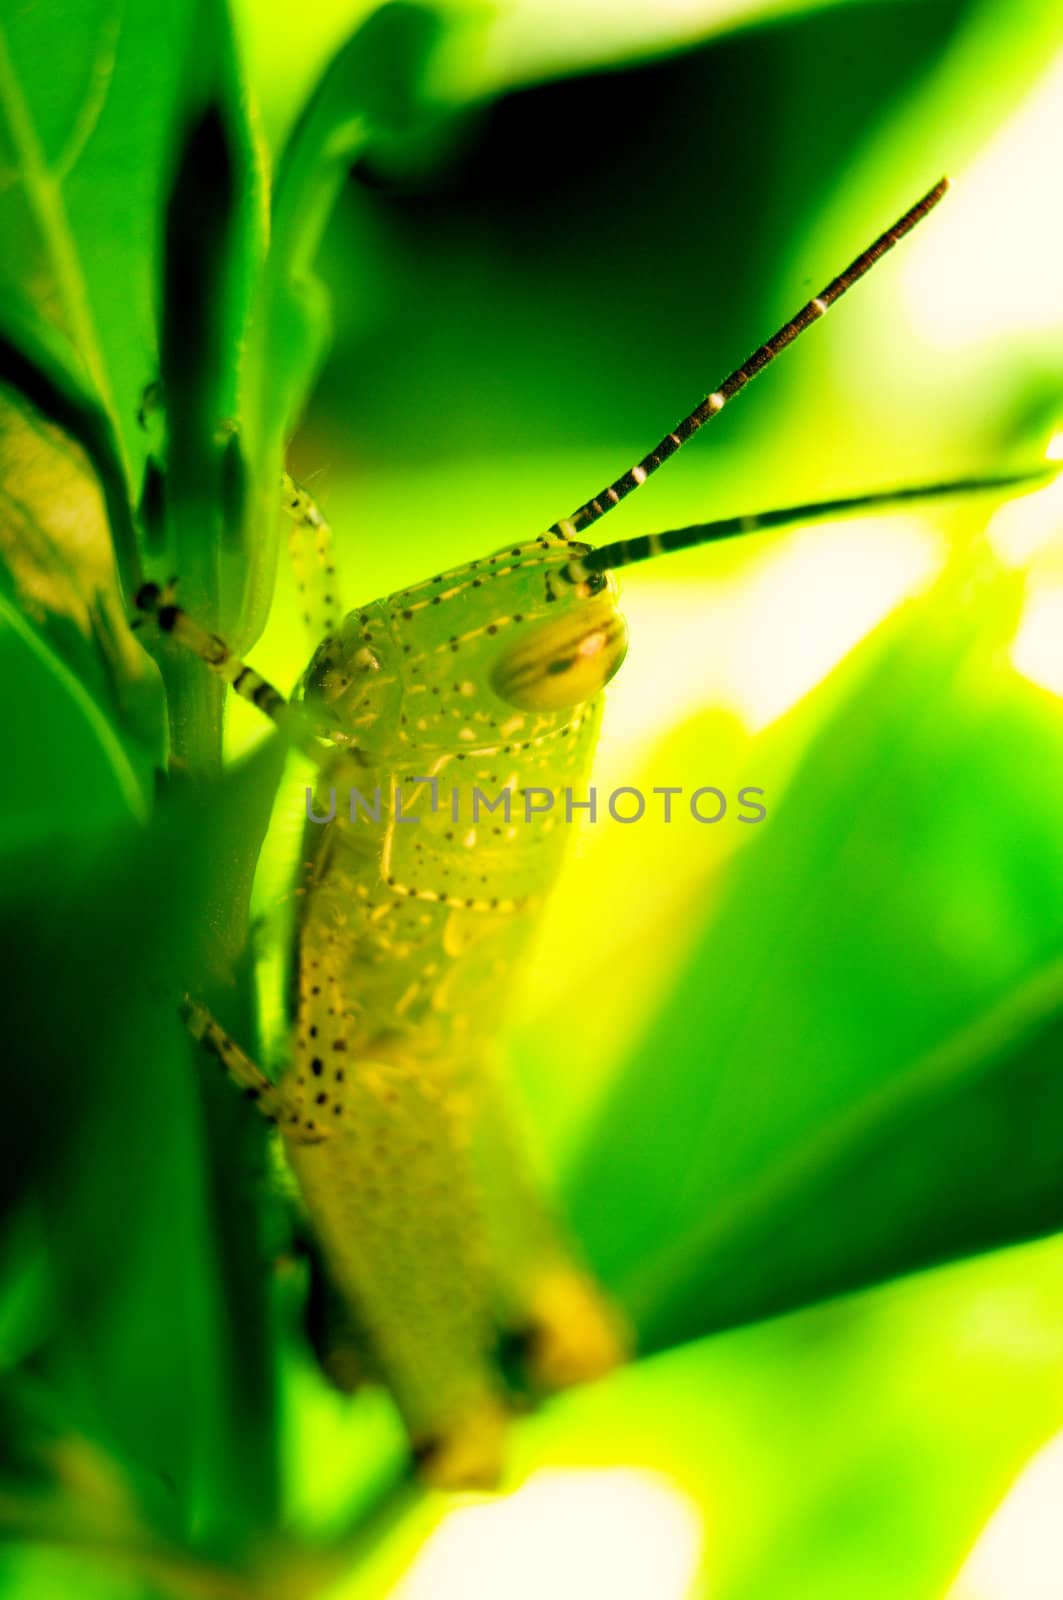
(620, 1532)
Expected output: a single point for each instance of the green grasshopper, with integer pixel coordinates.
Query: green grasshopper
(489, 677)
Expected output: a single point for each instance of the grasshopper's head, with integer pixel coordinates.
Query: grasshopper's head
(494, 653)
(566, 639)
(503, 651)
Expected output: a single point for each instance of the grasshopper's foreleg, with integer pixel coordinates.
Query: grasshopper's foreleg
(159, 604)
(313, 562)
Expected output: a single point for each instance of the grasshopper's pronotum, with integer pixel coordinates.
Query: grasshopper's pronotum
(486, 676)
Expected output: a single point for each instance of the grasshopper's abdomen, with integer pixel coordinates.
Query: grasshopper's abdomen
(411, 938)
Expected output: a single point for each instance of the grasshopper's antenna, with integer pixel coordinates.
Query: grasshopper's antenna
(624, 552)
(607, 498)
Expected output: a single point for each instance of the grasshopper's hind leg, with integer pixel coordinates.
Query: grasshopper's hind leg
(337, 1341)
(561, 1323)
(390, 1196)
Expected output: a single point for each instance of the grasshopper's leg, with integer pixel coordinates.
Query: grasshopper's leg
(160, 605)
(391, 1195)
(565, 1329)
(276, 1102)
(313, 562)
(235, 1062)
(339, 1344)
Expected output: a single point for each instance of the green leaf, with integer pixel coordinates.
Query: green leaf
(31, 365)
(97, 110)
(62, 749)
(535, 40)
(370, 98)
(159, 1346)
(59, 582)
(491, 48)
(89, 100)
(149, 1319)
(862, 1047)
(855, 1448)
(212, 257)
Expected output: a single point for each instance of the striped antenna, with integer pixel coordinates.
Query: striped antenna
(625, 552)
(607, 498)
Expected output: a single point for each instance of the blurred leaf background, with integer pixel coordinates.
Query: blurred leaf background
(782, 1076)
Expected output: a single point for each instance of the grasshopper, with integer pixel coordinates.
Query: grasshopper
(490, 676)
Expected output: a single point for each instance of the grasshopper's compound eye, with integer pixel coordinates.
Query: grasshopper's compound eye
(564, 660)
